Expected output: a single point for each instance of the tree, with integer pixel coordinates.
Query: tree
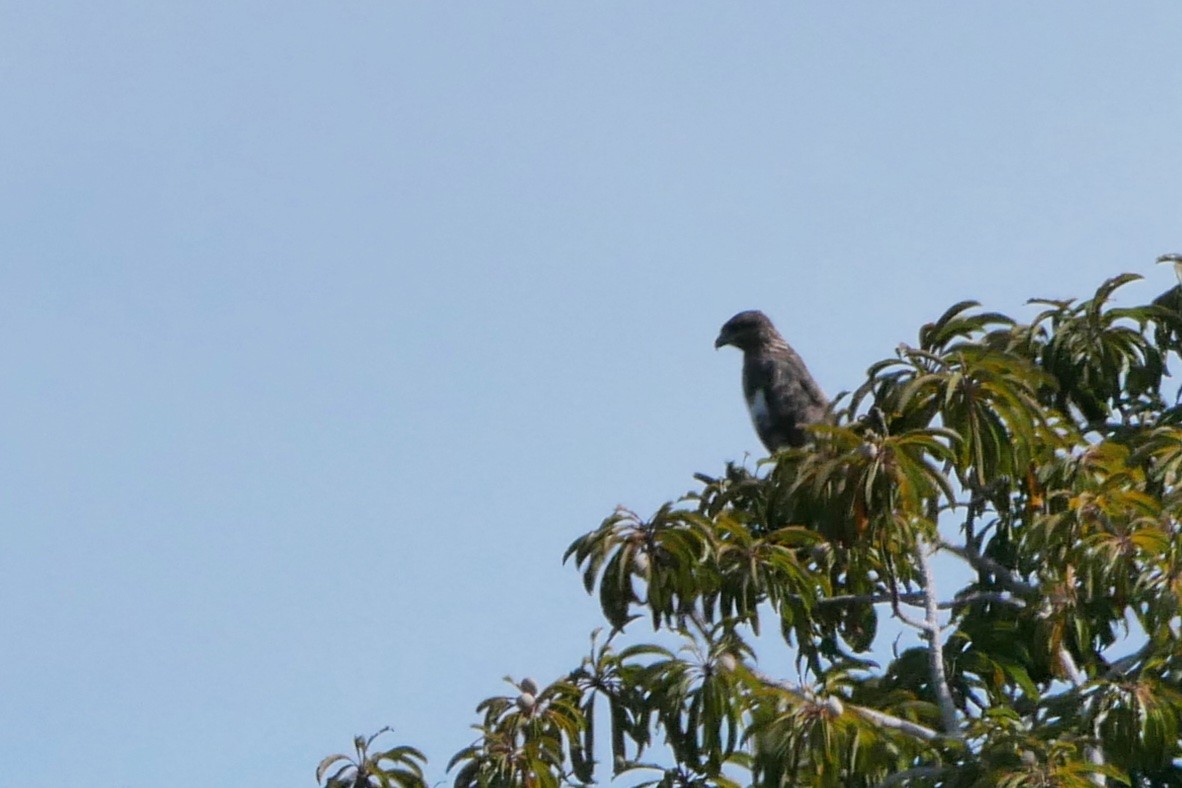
(1042, 456)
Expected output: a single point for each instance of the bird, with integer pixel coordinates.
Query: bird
(781, 395)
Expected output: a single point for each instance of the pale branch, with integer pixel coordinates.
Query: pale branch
(936, 646)
(880, 718)
(892, 722)
(916, 599)
(869, 599)
(983, 563)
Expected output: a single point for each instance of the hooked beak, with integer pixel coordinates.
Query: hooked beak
(722, 340)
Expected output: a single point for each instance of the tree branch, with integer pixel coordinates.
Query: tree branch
(882, 719)
(917, 599)
(906, 619)
(935, 645)
(917, 773)
(986, 564)
(997, 597)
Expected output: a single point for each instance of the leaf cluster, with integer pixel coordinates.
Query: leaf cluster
(396, 767)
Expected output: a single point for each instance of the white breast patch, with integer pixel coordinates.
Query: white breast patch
(757, 405)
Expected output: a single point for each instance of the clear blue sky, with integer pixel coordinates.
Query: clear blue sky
(328, 326)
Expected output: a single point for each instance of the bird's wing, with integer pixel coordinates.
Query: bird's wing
(793, 394)
(783, 398)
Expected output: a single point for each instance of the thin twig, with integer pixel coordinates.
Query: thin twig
(915, 623)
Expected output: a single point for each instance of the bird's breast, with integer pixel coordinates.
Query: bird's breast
(761, 415)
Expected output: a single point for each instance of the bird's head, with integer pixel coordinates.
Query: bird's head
(746, 330)
(1176, 259)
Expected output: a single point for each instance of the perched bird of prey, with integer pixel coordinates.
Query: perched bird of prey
(781, 395)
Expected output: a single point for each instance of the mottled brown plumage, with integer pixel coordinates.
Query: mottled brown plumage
(781, 395)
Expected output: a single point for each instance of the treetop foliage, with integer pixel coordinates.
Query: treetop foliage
(1044, 457)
